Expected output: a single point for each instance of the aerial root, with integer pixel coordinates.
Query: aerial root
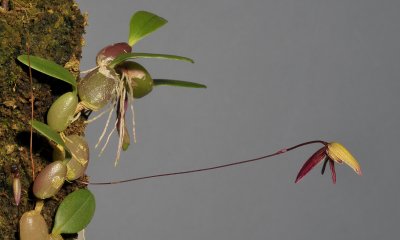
(133, 124)
(131, 100)
(123, 93)
(89, 70)
(98, 116)
(108, 139)
(121, 127)
(105, 128)
(76, 117)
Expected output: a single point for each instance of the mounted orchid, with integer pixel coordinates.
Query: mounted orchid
(113, 85)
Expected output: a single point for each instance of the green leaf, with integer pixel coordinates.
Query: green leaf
(74, 212)
(143, 23)
(49, 68)
(177, 83)
(126, 56)
(50, 134)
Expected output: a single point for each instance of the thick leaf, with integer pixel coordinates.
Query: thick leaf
(50, 134)
(126, 56)
(143, 23)
(177, 83)
(49, 68)
(74, 212)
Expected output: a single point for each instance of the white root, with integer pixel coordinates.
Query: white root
(89, 70)
(133, 123)
(108, 139)
(131, 102)
(121, 123)
(105, 128)
(76, 117)
(99, 115)
(122, 94)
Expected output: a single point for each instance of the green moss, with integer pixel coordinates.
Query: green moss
(53, 29)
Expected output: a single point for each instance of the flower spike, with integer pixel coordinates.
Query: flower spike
(331, 152)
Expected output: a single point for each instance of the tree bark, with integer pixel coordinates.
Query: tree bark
(51, 29)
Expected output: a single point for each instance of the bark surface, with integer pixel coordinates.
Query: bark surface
(52, 29)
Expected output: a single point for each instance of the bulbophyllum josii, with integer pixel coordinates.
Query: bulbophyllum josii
(99, 86)
(117, 80)
(102, 86)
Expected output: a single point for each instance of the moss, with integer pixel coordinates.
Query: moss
(53, 29)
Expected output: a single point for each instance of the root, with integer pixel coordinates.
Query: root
(99, 115)
(124, 92)
(76, 117)
(105, 128)
(131, 100)
(121, 123)
(108, 139)
(80, 107)
(133, 124)
(89, 70)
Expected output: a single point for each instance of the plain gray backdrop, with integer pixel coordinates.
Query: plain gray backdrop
(278, 73)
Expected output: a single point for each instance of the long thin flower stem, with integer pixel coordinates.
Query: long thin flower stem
(284, 150)
(28, 50)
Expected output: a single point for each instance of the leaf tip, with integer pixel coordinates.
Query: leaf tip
(21, 57)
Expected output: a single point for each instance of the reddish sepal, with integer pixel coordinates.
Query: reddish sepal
(311, 163)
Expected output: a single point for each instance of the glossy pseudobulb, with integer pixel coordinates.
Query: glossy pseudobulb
(110, 52)
(32, 226)
(50, 180)
(138, 77)
(79, 149)
(62, 111)
(97, 88)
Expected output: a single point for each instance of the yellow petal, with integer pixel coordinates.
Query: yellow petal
(338, 153)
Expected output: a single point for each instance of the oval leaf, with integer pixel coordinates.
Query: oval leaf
(143, 23)
(74, 212)
(126, 56)
(49, 68)
(177, 83)
(50, 134)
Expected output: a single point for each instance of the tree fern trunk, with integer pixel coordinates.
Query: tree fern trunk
(53, 29)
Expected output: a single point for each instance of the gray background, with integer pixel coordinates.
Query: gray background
(278, 73)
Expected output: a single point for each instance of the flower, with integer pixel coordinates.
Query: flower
(331, 152)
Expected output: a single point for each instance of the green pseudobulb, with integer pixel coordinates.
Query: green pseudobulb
(62, 111)
(139, 79)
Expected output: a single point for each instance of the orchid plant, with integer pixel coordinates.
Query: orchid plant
(116, 81)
